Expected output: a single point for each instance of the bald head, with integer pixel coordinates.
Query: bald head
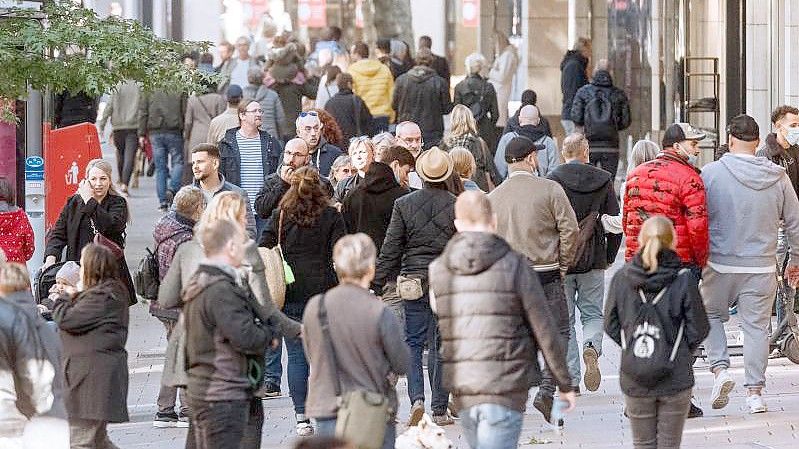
(295, 153)
(529, 115)
(473, 213)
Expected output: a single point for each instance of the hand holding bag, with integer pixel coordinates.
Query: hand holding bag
(278, 272)
(362, 415)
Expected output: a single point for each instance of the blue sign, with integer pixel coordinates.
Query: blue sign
(34, 168)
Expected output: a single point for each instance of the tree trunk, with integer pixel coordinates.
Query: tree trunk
(392, 18)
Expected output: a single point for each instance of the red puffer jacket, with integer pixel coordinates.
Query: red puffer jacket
(668, 186)
(16, 236)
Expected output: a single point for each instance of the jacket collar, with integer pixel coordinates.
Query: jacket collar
(672, 155)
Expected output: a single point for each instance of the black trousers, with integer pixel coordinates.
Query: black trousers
(608, 161)
(225, 424)
(126, 142)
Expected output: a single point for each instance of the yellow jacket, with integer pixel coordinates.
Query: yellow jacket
(374, 84)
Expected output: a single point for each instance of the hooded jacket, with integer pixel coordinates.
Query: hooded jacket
(572, 78)
(421, 96)
(620, 107)
(681, 301)
(747, 199)
(668, 186)
(351, 114)
(16, 234)
(787, 158)
(548, 158)
(367, 208)
(513, 124)
(373, 82)
(223, 337)
(493, 319)
(583, 183)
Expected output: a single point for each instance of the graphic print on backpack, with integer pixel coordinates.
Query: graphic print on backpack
(647, 351)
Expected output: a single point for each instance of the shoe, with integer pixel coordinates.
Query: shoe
(168, 197)
(183, 421)
(576, 390)
(163, 208)
(722, 387)
(756, 404)
(592, 377)
(451, 409)
(304, 428)
(695, 412)
(417, 411)
(443, 420)
(268, 390)
(543, 403)
(165, 420)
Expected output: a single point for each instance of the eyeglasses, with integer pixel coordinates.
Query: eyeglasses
(307, 113)
(255, 111)
(294, 154)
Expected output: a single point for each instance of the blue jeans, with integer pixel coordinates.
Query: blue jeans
(586, 291)
(167, 152)
(491, 426)
(420, 324)
(327, 428)
(273, 367)
(297, 373)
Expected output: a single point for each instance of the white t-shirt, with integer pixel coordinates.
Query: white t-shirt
(239, 74)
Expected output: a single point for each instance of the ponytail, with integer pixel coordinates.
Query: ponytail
(656, 234)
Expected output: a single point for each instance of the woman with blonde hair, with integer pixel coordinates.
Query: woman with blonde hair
(654, 292)
(464, 166)
(95, 212)
(463, 133)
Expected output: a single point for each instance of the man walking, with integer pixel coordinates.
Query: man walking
(591, 194)
(323, 153)
(602, 110)
(440, 63)
(573, 76)
(228, 119)
(536, 219)
(373, 82)
(748, 198)
(161, 117)
(482, 288)
(234, 71)
(123, 109)
(224, 340)
(529, 127)
(422, 96)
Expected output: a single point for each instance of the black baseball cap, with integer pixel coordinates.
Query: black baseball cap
(234, 91)
(519, 148)
(678, 132)
(743, 127)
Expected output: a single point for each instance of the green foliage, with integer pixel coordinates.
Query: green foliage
(66, 47)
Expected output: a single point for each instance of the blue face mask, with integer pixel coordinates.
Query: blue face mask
(792, 136)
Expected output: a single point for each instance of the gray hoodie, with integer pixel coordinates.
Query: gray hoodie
(748, 198)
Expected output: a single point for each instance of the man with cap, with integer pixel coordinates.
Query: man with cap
(421, 224)
(535, 217)
(228, 119)
(748, 197)
(670, 185)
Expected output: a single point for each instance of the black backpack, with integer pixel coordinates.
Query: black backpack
(588, 235)
(600, 120)
(649, 345)
(478, 111)
(147, 278)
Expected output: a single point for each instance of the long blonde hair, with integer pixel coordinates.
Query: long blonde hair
(106, 167)
(462, 122)
(656, 234)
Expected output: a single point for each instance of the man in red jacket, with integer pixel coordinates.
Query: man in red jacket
(670, 185)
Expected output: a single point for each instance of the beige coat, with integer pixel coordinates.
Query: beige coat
(221, 123)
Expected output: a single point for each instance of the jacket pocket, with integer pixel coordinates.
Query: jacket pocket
(76, 369)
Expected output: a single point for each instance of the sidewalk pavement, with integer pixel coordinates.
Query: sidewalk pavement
(596, 423)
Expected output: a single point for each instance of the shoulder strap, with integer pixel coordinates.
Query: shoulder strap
(328, 341)
(280, 234)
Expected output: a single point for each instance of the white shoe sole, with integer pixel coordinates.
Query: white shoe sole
(723, 397)
(182, 425)
(754, 411)
(593, 377)
(165, 424)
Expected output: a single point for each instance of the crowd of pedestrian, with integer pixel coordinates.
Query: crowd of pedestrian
(359, 233)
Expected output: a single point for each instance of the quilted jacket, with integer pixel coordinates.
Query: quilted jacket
(668, 186)
(421, 224)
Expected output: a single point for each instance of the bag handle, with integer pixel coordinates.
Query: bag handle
(325, 325)
(280, 233)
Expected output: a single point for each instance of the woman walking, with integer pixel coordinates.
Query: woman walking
(16, 234)
(94, 329)
(654, 286)
(306, 227)
(463, 133)
(95, 212)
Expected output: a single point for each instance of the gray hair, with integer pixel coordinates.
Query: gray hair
(475, 63)
(340, 162)
(354, 256)
(378, 139)
(643, 151)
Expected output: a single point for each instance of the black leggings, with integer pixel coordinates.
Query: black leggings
(126, 142)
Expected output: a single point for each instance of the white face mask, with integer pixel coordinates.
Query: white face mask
(792, 136)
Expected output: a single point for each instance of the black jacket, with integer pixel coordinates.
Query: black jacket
(73, 109)
(469, 91)
(785, 158)
(94, 330)
(351, 114)
(272, 192)
(230, 157)
(582, 184)
(421, 96)
(422, 223)
(441, 66)
(323, 156)
(368, 206)
(309, 252)
(619, 103)
(513, 124)
(492, 316)
(223, 336)
(73, 230)
(681, 301)
(291, 98)
(572, 78)
(396, 67)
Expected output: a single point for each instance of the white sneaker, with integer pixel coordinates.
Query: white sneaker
(722, 387)
(304, 429)
(756, 404)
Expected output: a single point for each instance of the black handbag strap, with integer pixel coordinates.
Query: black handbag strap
(325, 325)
